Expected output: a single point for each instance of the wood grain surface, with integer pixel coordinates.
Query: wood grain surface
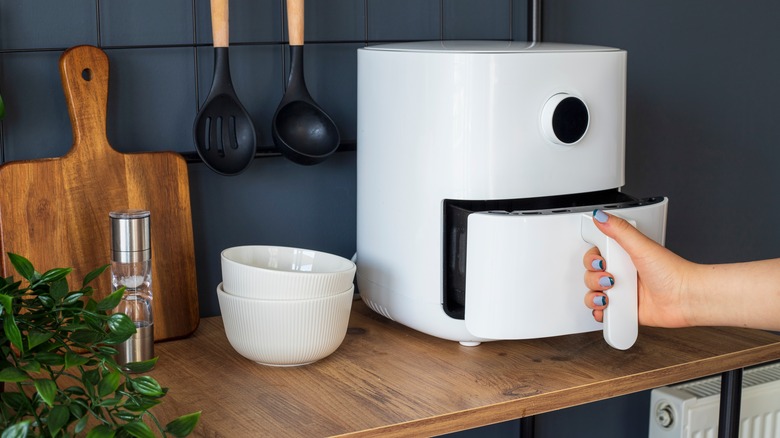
(55, 211)
(295, 22)
(220, 23)
(391, 381)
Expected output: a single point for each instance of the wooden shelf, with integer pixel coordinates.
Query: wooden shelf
(388, 380)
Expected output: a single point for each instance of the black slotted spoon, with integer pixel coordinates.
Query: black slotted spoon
(225, 136)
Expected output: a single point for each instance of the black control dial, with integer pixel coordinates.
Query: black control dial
(565, 119)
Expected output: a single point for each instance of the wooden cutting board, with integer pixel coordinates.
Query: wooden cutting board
(55, 211)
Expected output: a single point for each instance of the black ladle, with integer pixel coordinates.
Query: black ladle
(224, 134)
(301, 130)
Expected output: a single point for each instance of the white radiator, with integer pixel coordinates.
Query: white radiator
(690, 410)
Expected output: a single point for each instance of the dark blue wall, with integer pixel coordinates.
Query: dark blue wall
(701, 116)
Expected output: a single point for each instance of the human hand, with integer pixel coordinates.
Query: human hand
(661, 275)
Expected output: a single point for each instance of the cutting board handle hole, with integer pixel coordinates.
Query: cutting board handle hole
(86, 74)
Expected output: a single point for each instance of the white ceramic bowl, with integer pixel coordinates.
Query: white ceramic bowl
(285, 332)
(283, 273)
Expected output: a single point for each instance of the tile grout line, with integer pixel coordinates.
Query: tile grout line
(365, 22)
(98, 40)
(441, 20)
(283, 27)
(195, 54)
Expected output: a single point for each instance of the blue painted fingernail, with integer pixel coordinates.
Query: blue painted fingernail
(600, 300)
(600, 216)
(598, 264)
(606, 281)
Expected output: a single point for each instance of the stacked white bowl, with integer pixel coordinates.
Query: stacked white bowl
(285, 306)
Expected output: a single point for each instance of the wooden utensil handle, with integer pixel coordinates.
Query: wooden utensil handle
(220, 23)
(295, 22)
(84, 73)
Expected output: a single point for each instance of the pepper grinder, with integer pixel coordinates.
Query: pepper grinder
(131, 267)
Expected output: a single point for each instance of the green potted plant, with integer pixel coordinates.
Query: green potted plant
(57, 362)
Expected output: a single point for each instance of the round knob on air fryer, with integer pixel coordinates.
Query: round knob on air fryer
(565, 119)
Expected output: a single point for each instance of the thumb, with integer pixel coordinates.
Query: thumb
(626, 235)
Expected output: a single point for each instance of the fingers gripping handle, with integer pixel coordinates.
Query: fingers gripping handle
(621, 321)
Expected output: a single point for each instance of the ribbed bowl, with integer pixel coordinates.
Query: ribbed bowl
(284, 273)
(285, 332)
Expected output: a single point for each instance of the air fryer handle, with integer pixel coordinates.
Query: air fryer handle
(621, 322)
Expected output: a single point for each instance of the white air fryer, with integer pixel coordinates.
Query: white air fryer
(479, 166)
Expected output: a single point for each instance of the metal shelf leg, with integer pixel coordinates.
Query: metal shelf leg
(730, 402)
(527, 427)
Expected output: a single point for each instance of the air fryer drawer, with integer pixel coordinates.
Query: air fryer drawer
(525, 280)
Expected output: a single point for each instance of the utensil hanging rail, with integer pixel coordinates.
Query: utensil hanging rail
(269, 151)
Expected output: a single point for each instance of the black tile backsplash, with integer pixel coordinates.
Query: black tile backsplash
(42, 24)
(145, 22)
(257, 21)
(404, 20)
(36, 123)
(461, 21)
(151, 98)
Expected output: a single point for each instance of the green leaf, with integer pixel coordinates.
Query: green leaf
(47, 301)
(146, 385)
(36, 338)
(93, 321)
(9, 285)
(55, 274)
(7, 302)
(101, 431)
(121, 328)
(75, 390)
(126, 416)
(110, 402)
(113, 339)
(22, 266)
(85, 337)
(73, 359)
(59, 289)
(94, 274)
(108, 351)
(76, 410)
(33, 366)
(91, 376)
(58, 418)
(140, 404)
(91, 304)
(18, 430)
(74, 327)
(47, 389)
(141, 367)
(81, 424)
(111, 301)
(12, 331)
(138, 430)
(183, 425)
(121, 323)
(14, 400)
(109, 383)
(72, 298)
(51, 359)
(13, 375)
